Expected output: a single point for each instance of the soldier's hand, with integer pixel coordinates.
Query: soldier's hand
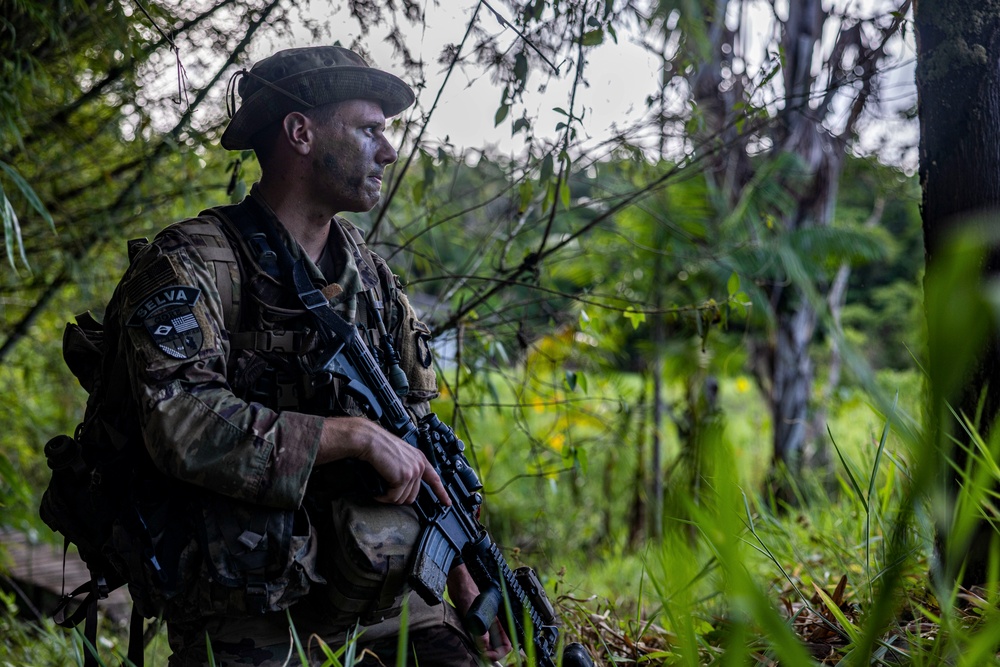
(462, 590)
(402, 466)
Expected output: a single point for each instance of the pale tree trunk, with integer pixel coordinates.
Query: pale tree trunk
(783, 365)
(793, 377)
(817, 452)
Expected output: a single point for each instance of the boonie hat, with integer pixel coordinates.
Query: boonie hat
(303, 78)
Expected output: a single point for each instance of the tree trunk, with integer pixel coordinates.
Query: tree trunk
(793, 378)
(958, 88)
(637, 514)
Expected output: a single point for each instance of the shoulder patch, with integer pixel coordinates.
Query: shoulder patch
(167, 316)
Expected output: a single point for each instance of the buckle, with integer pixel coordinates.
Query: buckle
(313, 299)
(256, 597)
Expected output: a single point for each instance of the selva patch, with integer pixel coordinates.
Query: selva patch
(167, 316)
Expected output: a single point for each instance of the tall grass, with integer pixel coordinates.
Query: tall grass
(843, 578)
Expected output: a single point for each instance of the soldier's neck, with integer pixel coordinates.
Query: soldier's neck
(307, 221)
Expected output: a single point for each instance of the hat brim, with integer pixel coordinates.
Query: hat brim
(317, 87)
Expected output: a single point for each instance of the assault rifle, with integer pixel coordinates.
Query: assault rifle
(449, 532)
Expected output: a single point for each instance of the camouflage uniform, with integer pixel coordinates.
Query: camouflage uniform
(207, 428)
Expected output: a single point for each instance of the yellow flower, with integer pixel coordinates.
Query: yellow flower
(742, 385)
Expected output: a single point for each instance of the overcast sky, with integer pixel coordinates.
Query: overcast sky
(620, 77)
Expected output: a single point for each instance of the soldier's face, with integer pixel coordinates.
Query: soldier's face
(351, 156)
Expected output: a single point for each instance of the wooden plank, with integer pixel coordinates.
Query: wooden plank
(37, 568)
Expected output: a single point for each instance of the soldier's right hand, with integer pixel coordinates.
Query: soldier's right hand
(402, 466)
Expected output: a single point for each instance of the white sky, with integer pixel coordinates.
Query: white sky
(620, 76)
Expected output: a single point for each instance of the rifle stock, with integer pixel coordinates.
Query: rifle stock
(450, 532)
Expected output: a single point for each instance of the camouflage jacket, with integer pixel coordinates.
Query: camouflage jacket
(216, 372)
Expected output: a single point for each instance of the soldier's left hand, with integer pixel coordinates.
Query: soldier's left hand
(493, 645)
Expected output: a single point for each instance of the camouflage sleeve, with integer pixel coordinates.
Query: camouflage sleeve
(195, 428)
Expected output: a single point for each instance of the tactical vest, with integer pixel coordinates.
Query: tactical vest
(247, 559)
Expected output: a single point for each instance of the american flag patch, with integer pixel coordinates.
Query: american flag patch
(185, 323)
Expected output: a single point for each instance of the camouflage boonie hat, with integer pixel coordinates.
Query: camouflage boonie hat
(300, 79)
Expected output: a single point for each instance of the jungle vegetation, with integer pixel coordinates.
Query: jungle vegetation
(715, 395)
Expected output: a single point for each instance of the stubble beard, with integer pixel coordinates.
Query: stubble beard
(354, 193)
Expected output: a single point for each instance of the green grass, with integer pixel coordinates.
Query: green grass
(735, 579)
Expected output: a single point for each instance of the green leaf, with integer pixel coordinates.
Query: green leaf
(526, 191)
(635, 317)
(239, 192)
(548, 166)
(733, 286)
(569, 380)
(520, 66)
(592, 37)
(501, 114)
(28, 193)
(564, 194)
(12, 232)
(418, 191)
(550, 196)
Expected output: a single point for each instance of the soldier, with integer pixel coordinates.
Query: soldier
(269, 524)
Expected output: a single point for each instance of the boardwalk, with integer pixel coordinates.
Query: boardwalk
(35, 572)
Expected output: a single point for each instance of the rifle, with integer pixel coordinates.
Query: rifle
(449, 532)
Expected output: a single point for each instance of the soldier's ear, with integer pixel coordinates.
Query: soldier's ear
(298, 132)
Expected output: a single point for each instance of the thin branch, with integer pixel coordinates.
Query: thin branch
(398, 180)
(124, 199)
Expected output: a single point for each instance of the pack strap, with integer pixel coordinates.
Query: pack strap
(136, 638)
(213, 246)
(267, 341)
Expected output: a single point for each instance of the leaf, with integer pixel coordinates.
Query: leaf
(564, 194)
(548, 166)
(733, 286)
(550, 196)
(12, 233)
(635, 317)
(28, 193)
(239, 192)
(502, 112)
(526, 191)
(569, 380)
(850, 473)
(592, 37)
(520, 67)
(837, 614)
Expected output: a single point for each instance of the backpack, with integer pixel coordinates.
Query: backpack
(89, 498)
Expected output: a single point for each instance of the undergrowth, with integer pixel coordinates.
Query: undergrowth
(840, 577)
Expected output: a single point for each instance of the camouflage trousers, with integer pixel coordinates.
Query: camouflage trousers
(435, 638)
